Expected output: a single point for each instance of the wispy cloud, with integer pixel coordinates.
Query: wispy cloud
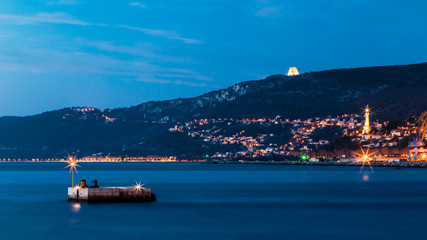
(63, 18)
(145, 50)
(7, 36)
(42, 17)
(175, 82)
(137, 4)
(43, 60)
(268, 12)
(65, 2)
(162, 33)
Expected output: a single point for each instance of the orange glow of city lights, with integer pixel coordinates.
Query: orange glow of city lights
(365, 158)
(423, 156)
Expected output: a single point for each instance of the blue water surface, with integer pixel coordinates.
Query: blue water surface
(199, 201)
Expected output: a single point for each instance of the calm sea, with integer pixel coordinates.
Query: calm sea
(196, 201)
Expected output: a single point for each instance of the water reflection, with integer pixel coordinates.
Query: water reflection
(365, 177)
(75, 207)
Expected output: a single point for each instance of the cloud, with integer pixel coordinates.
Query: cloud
(7, 36)
(42, 17)
(65, 2)
(137, 4)
(162, 33)
(268, 12)
(39, 58)
(175, 82)
(141, 49)
(63, 18)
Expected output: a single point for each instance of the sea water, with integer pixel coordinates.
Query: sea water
(200, 201)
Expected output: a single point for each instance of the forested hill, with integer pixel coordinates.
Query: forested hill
(394, 93)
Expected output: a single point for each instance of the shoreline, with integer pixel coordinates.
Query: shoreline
(395, 164)
(336, 164)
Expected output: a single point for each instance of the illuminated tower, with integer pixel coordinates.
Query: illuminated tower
(293, 71)
(367, 128)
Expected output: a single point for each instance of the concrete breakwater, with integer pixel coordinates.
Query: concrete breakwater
(111, 194)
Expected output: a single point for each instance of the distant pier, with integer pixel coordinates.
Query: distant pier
(111, 194)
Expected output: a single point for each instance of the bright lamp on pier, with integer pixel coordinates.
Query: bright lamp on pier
(138, 186)
(72, 164)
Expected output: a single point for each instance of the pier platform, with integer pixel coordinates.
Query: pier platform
(110, 194)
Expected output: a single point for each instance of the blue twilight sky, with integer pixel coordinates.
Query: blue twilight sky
(116, 53)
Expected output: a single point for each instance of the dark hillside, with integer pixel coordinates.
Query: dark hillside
(394, 92)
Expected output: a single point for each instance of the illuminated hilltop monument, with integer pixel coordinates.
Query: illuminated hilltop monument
(293, 71)
(366, 127)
